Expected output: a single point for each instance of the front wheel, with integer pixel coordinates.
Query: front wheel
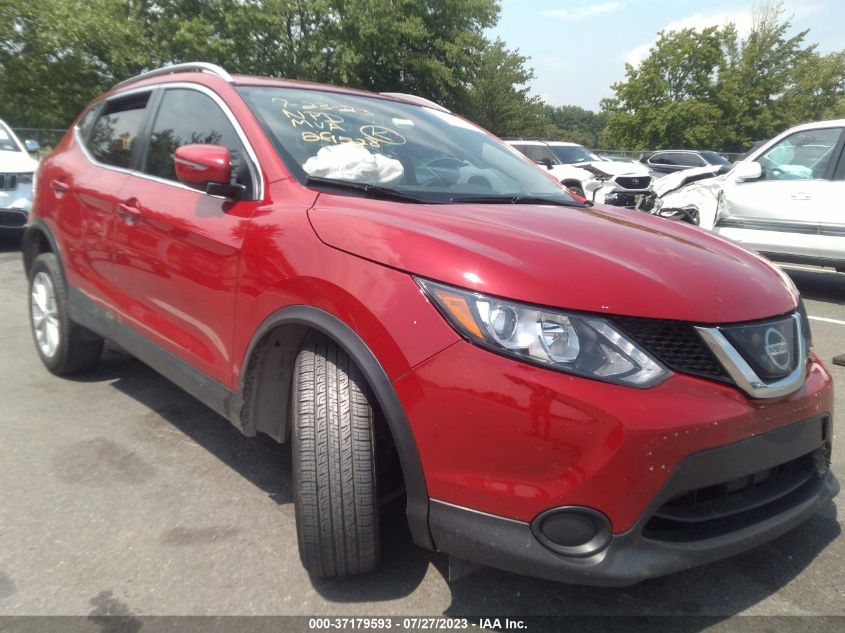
(64, 346)
(334, 474)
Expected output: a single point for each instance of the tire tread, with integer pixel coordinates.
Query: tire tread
(334, 464)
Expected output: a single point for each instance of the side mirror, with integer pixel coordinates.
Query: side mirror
(208, 168)
(748, 170)
(32, 146)
(545, 162)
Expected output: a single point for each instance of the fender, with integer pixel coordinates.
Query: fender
(360, 353)
(38, 229)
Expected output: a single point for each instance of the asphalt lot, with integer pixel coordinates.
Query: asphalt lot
(123, 495)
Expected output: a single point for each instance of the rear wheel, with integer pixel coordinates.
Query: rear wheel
(64, 346)
(334, 474)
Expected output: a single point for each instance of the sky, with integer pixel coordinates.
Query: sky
(578, 48)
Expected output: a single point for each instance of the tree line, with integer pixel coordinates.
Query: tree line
(709, 88)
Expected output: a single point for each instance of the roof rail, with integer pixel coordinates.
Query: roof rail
(415, 99)
(203, 67)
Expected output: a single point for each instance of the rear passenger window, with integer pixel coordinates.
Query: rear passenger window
(186, 117)
(690, 160)
(113, 137)
(86, 122)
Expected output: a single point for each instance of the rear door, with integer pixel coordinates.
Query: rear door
(781, 212)
(108, 136)
(177, 250)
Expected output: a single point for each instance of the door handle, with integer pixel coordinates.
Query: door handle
(59, 187)
(800, 196)
(129, 211)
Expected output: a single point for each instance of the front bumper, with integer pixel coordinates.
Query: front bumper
(640, 553)
(15, 206)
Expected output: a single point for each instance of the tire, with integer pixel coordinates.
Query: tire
(334, 466)
(64, 346)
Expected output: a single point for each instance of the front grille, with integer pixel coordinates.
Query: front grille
(674, 343)
(633, 182)
(770, 347)
(627, 200)
(8, 182)
(717, 510)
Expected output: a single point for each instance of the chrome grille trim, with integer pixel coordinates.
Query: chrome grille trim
(742, 373)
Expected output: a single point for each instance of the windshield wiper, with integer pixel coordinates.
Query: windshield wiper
(376, 191)
(515, 200)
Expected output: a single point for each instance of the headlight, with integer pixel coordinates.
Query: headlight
(578, 344)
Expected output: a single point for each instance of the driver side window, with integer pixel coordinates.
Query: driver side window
(801, 156)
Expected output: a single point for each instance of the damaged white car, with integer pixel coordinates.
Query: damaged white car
(784, 200)
(621, 184)
(689, 196)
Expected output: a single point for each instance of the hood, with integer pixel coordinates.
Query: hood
(16, 162)
(679, 179)
(599, 259)
(614, 168)
(570, 172)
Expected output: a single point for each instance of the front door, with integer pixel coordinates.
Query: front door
(177, 250)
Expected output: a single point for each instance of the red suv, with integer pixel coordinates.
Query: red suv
(574, 392)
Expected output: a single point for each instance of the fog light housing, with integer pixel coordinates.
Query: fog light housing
(573, 531)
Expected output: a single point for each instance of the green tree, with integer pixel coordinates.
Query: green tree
(712, 89)
(671, 99)
(497, 97)
(55, 55)
(576, 124)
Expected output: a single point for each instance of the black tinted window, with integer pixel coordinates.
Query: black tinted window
(113, 137)
(689, 160)
(187, 117)
(715, 159)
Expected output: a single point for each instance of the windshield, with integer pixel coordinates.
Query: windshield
(569, 154)
(428, 154)
(7, 141)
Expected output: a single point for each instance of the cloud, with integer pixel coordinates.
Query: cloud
(743, 20)
(579, 13)
(698, 21)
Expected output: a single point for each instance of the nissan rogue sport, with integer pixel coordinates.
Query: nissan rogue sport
(579, 393)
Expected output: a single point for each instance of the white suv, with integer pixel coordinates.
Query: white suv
(16, 172)
(786, 199)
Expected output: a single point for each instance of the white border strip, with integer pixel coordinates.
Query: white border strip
(826, 320)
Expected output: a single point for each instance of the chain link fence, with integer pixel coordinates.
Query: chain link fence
(47, 138)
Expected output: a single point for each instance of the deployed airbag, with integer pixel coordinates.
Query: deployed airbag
(349, 161)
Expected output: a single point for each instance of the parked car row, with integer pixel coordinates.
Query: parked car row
(783, 200)
(619, 183)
